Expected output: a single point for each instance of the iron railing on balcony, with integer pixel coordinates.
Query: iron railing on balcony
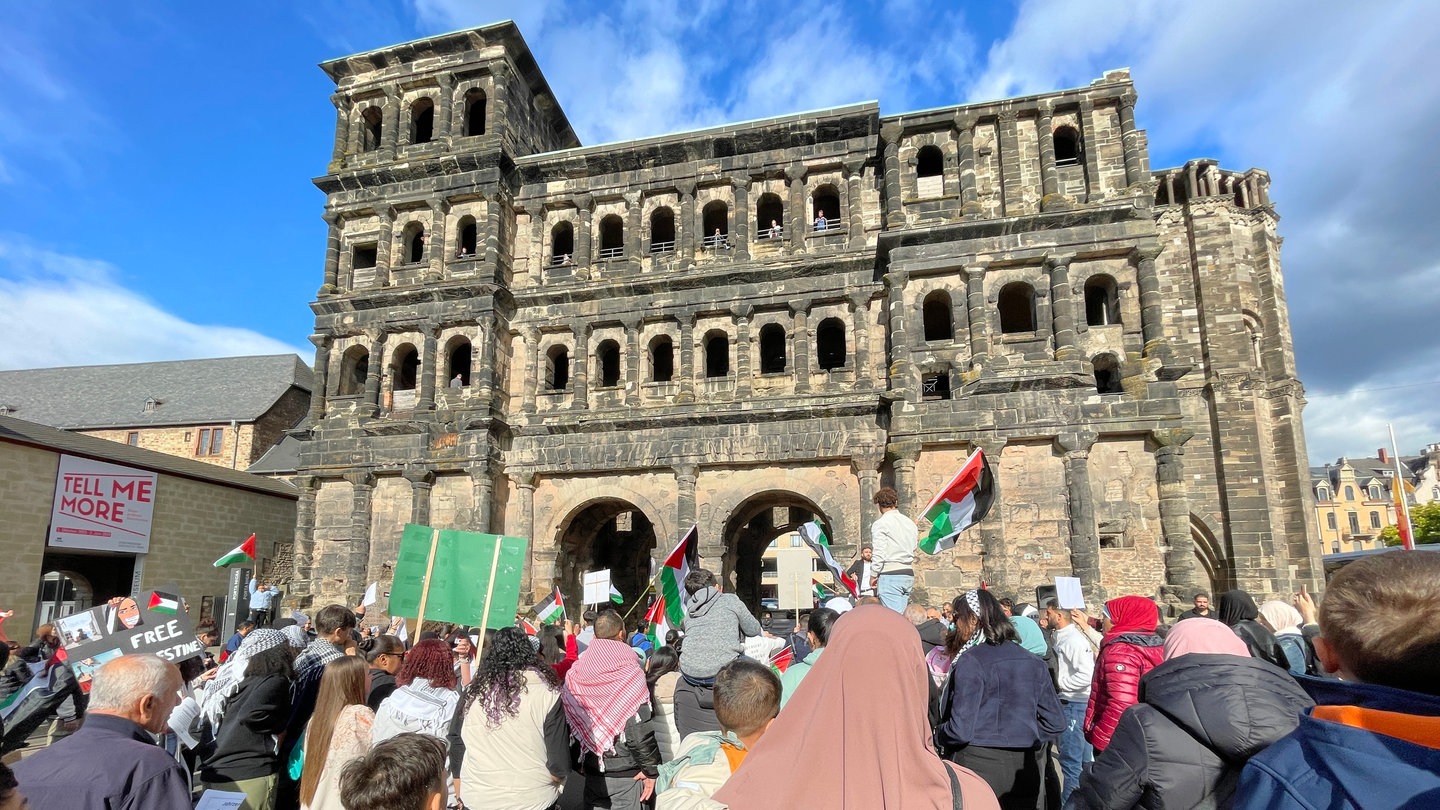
(612, 252)
(663, 247)
(717, 241)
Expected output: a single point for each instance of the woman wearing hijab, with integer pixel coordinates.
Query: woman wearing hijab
(1029, 635)
(1284, 620)
(1128, 650)
(878, 752)
(1237, 609)
(1202, 714)
(998, 707)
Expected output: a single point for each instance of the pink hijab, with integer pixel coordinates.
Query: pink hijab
(1199, 635)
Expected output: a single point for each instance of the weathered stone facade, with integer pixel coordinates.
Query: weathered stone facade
(521, 335)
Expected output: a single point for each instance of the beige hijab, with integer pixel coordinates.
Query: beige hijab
(855, 734)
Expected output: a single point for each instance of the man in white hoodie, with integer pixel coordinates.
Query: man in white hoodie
(1075, 660)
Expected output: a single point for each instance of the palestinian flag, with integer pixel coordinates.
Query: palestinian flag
(961, 504)
(530, 629)
(245, 552)
(668, 612)
(162, 602)
(781, 659)
(615, 596)
(551, 608)
(815, 538)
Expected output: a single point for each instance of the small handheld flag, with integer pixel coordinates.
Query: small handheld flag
(782, 659)
(815, 538)
(615, 596)
(668, 611)
(961, 504)
(161, 602)
(245, 552)
(552, 607)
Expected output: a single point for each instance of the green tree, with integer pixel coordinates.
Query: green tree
(1425, 519)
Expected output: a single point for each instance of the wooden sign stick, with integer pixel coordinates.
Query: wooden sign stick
(425, 589)
(489, 592)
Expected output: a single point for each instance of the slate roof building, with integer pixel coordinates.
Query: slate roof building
(758, 324)
(224, 411)
(1355, 499)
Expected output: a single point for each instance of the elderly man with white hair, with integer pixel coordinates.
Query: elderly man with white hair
(113, 760)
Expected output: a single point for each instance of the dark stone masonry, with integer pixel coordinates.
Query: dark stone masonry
(754, 324)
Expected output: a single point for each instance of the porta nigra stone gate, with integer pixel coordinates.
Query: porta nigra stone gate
(758, 324)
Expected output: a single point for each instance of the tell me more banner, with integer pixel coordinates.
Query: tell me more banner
(473, 578)
(150, 623)
(101, 507)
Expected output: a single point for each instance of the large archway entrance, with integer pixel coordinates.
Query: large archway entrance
(759, 521)
(608, 533)
(1210, 551)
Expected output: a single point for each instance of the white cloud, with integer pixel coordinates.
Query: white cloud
(66, 310)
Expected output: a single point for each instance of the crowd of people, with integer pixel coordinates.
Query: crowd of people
(980, 702)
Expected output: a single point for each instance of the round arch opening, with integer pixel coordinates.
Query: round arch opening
(607, 533)
(763, 519)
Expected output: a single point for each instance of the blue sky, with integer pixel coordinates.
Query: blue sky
(155, 158)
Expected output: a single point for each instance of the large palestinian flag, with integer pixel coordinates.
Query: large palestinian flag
(961, 504)
(668, 612)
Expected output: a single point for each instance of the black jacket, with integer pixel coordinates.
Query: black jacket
(382, 684)
(1261, 642)
(932, 634)
(637, 753)
(245, 744)
(1199, 720)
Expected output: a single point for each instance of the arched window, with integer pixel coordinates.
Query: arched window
(769, 217)
(936, 312)
(1107, 374)
(826, 202)
(772, 348)
(354, 366)
(716, 219)
(662, 231)
(1322, 493)
(1375, 492)
(930, 171)
(414, 243)
(562, 243)
(468, 237)
(406, 370)
(1102, 305)
(830, 343)
(608, 354)
(1067, 146)
(612, 237)
(662, 359)
(1349, 493)
(1017, 308)
(1253, 332)
(717, 354)
(457, 364)
(1374, 520)
(371, 120)
(422, 121)
(475, 112)
(558, 368)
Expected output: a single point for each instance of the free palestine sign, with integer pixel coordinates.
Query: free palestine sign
(101, 507)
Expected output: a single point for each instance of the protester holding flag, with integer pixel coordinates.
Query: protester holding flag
(893, 539)
(715, 628)
(814, 536)
(818, 633)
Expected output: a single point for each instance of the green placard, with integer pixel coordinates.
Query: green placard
(460, 578)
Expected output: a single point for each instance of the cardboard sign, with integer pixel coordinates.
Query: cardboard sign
(469, 573)
(597, 587)
(1069, 594)
(795, 578)
(101, 507)
(103, 633)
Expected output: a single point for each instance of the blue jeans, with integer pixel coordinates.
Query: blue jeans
(894, 590)
(1074, 750)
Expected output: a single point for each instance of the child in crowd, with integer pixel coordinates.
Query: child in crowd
(405, 772)
(747, 698)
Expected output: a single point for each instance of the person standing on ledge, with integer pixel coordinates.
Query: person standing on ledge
(262, 596)
(893, 539)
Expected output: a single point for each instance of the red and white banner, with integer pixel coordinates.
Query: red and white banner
(101, 507)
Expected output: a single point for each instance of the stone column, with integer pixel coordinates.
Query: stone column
(1130, 141)
(319, 385)
(969, 189)
(384, 248)
(436, 250)
(798, 226)
(583, 239)
(854, 203)
(1084, 537)
(687, 359)
(1008, 134)
(899, 371)
(742, 315)
(482, 493)
(632, 364)
(444, 105)
(580, 367)
(860, 318)
(1151, 322)
(332, 255)
(741, 234)
(1044, 319)
(356, 571)
(539, 569)
(421, 481)
(493, 212)
(1062, 307)
(903, 456)
(373, 372)
(979, 317)
(994, 565)
(632, 228)
(482, 347)
(800, 310)
(1089, 150)
(353, 132)
(426, 400)
(867, 470)
(1049, 180)
(685, 475)
(303, 561)
(894, 210)
(1174, 505)
(532, 379)
(390, 135)
(686, 223)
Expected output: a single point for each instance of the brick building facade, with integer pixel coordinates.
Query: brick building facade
(754, 324)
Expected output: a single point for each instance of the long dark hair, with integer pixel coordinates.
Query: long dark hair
(990, 620)
(500, 678)
(662, 662)
(376, 646)
(274, 661)
(552, 643)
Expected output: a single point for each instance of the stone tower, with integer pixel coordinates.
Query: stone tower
(754, 325)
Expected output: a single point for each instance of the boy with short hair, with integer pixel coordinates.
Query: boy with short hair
(405, 772)
(1373, 738)
(747, 698)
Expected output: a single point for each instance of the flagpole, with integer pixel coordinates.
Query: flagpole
(651, 584)
(489, 593)
(1408, 538)
(425, 589)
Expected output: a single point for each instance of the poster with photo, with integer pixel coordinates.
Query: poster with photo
(150, 623)
(80, 628)
(84, 668)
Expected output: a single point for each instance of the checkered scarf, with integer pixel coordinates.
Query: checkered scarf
(603, 690)
(227, 680)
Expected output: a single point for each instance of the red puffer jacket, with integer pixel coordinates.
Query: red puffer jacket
(1116, 686)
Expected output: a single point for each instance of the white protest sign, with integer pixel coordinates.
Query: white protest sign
(220, 800)
(370, 594)
(795, 578)
(101, 507)
(1069, 594)
(597, 587)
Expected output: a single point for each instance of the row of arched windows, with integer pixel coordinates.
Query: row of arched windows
(930, 161)
(715, 225)
(412, 244)
(1017, 308)
(405, 367)
(422, 120)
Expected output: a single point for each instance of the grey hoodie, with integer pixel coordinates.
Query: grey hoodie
(716, 625)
